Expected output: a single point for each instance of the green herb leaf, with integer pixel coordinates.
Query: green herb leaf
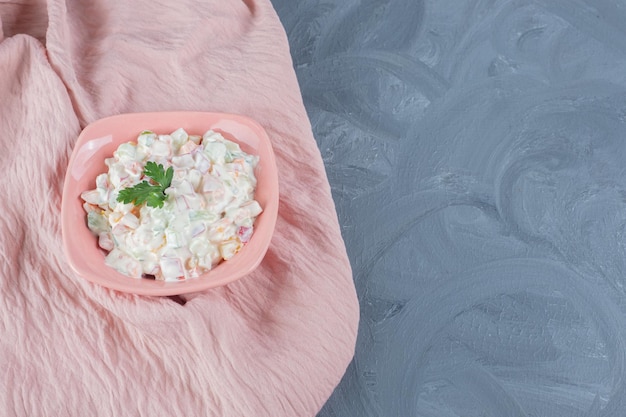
(144, 192)
(158, 174)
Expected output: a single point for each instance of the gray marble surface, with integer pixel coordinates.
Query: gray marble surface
(476, 151)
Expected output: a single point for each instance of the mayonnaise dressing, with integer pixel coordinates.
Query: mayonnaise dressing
(207, 217)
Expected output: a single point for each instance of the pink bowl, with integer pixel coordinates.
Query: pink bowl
(98, 141)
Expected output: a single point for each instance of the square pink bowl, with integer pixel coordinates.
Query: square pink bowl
(98, 141)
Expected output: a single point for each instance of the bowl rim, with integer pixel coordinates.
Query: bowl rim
(206, 281)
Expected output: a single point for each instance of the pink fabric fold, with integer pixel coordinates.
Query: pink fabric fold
(275, 343)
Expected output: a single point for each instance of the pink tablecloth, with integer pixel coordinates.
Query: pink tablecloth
(273, 344)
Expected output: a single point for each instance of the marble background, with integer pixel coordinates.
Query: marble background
(476, 151)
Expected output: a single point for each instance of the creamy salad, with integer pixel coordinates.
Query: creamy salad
(207, 214)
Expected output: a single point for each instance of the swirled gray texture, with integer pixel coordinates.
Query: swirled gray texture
(476, 151)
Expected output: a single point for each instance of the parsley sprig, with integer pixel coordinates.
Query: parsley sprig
(145, 192)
